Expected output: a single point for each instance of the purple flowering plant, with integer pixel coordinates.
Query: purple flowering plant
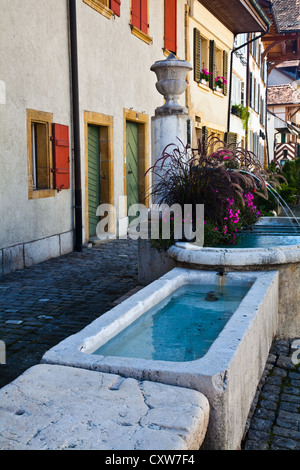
(220, 82)
(204, 74)
(224, 178)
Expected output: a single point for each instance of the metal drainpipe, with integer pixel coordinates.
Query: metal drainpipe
(76, 125)
(231, 64)
(267, 136)
(247, 101)
(187, 54)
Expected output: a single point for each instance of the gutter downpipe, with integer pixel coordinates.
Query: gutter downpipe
(267, 135)
(76, 125)
(247, 101)
(231, 65)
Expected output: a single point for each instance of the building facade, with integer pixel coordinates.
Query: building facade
(76, 101)
(257, 100)
(284, 123)
(115, 46)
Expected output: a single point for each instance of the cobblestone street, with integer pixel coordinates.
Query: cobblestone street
(274, 422)
(46, 303)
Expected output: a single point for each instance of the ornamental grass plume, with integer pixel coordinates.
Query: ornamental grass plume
(215, 175)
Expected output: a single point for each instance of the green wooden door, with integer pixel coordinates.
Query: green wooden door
(132, 165)
(93, 177)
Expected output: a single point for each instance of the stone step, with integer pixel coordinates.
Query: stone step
(52, 407)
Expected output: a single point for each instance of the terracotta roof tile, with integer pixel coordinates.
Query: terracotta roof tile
(287, 14)
(282, 94)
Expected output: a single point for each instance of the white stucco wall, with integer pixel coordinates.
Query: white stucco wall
(279, 111)
(34, 70)
(277, 77)
(239, 69)
(271, 119)
(254, 122)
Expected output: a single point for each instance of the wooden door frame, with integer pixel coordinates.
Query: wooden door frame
(100, 120)
(143, 154)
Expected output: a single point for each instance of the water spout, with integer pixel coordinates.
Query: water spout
(278, 198)
(221, 277)
(283, 204)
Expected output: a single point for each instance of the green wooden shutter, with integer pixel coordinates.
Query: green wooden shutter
(251, 90)
(212, 63)
(225, 71)
(132, 164)
(93, 177)
(204, 139)
(231, 138)
(197, 54)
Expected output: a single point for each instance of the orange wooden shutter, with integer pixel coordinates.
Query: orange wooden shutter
(144, 16)
(136, 13)
(115, 6)
(61, 152)
(171, 25)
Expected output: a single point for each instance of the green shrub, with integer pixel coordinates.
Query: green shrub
(289, 188)
(288, 193)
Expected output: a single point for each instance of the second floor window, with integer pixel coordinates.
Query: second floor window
(139, 15)
(105, 7)
(170, 23)
(115, 6)
(201, 56)
(237, 91)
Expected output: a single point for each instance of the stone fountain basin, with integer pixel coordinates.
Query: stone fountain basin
(228, 374)
(284, 259)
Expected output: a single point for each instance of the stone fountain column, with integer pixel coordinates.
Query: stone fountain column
(171, 121)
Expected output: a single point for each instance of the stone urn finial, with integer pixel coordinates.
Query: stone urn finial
(171, 83)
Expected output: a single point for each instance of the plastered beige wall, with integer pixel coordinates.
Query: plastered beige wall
(114, 74)
(211, 107)
(34, 68)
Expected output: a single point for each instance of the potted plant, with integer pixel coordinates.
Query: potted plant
(204, 76)
(242, 112)
(219, 83)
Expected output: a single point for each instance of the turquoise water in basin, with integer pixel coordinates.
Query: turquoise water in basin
(265, 241)
(182, 327)
(267, 236)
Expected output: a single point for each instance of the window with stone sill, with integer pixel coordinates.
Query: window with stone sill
(107, 8)
(139, 20)
(170, 26)
(201, 55)
(48, 155)
(39, 148)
